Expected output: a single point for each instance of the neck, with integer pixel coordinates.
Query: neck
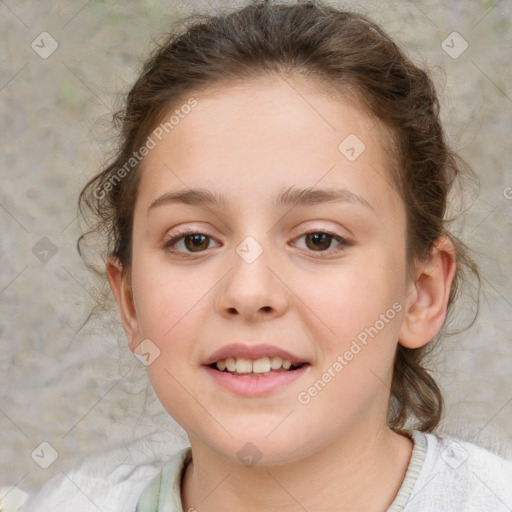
(362, 471)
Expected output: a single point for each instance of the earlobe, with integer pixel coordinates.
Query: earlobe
(121, 289)
(427, 307)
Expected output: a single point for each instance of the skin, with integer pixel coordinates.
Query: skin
(249, 141)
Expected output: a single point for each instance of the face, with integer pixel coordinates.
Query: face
(318, 280)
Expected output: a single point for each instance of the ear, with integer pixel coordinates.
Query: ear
(427, 300)
(121, 288)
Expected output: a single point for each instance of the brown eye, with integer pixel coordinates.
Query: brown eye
(320, 241)
(196, 242)
(188, 242)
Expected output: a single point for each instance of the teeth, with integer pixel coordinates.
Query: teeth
(276, 363)
(261, 365)
(244, 365)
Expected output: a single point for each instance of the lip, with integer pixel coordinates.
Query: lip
(252, 352)
(255, 386)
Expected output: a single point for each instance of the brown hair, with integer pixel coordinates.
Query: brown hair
(345, 50)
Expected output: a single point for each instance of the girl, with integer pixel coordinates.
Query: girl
(278, 250)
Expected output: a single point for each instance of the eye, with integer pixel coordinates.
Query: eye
(197, 242)
(319, 241)
(192, 241)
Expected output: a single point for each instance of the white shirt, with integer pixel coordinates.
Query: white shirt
(445, 474)
(458, 476)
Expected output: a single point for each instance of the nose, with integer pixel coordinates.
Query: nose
(252, 290)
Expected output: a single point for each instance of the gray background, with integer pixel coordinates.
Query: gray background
(84, 391)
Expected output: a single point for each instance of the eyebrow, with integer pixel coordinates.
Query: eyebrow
(293, 196)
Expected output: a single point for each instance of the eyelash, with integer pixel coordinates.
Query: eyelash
(344, 243)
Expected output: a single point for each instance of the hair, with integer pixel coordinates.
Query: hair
(345, 51)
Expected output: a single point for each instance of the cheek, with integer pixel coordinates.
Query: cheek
(356, 331)
(360, 321)
(351, 299)
(165, 299)
(169, 311)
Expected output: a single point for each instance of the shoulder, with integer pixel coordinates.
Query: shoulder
(164, 490)
(112, 481)
(85, 490)
(458, 474)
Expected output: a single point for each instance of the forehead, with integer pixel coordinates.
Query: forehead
(275, 109)
(273, 130)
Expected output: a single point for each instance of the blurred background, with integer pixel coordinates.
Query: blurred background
(64, 67)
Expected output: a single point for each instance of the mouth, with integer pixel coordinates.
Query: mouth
(261, 367)
(251, 378)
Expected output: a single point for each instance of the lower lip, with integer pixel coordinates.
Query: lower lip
(255, 386)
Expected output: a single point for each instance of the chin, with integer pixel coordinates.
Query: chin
(259, 450)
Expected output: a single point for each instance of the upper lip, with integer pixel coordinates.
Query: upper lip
(252, 352)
